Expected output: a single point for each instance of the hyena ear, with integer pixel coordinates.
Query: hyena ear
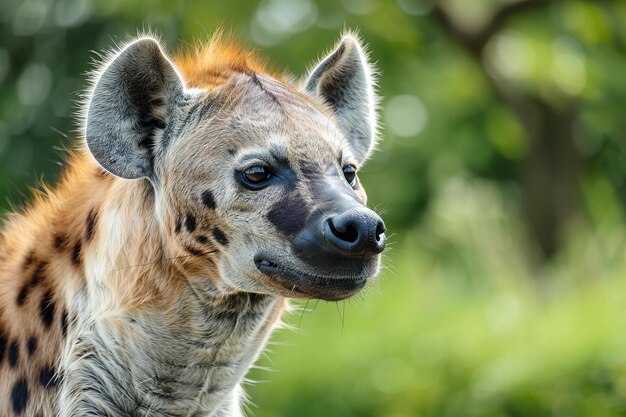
(131, 102)
(344, 80)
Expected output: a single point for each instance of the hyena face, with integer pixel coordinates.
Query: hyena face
(254, 178)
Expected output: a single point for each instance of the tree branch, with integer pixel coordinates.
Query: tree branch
(474, 43)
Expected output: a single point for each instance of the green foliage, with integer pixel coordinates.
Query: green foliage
(465, 321)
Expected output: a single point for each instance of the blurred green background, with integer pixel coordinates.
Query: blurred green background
(502, 176)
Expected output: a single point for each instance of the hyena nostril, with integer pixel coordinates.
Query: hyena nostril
(380, 230)
(345, 232)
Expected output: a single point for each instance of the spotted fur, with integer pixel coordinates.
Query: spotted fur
(136, 286)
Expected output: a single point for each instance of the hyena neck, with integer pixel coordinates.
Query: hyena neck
(182, 358)
(145, 337)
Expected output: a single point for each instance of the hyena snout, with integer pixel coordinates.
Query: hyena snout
(358, 231)
(337, 251)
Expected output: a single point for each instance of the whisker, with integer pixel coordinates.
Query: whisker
(302, 314)
(174, 258)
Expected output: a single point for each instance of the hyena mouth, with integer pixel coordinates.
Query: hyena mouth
(302, 284)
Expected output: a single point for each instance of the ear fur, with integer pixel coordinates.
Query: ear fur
(131, 99)
(345, 81)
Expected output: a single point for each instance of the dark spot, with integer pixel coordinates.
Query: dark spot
(220, 236)
(64, 324)
(31, 345)
(289, 214)
(34, 280)
(148, 121)
(28, 261)
(46, 309)
(3, 344)
(60, 241)
(21, 296)
(202, 239)
(37, 276)
(177, 226)
(167, 389)
(14, 354)
(194, 251)
(47, 377)
(76, 253)
(102, 173)
(208, 199)
(19, 396)
(256, 297)
(190, 222)
(90, 225)
(231, 152)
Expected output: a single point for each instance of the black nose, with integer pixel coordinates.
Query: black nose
(355, 232)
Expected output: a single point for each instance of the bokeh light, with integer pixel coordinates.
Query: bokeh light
(405, 115)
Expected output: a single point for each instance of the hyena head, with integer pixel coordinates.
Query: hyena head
(254, 177)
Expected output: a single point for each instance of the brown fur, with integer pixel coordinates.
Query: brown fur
(214, 63)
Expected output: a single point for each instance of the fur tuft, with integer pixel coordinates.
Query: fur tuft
(211, 64)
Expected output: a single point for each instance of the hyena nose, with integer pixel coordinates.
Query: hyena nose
(356, 232)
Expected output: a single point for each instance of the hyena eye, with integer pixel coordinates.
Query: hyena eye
(256, 175)
(349, 171)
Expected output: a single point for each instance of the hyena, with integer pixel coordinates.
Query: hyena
(205, 191)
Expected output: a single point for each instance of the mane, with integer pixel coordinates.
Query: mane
(211, 64)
